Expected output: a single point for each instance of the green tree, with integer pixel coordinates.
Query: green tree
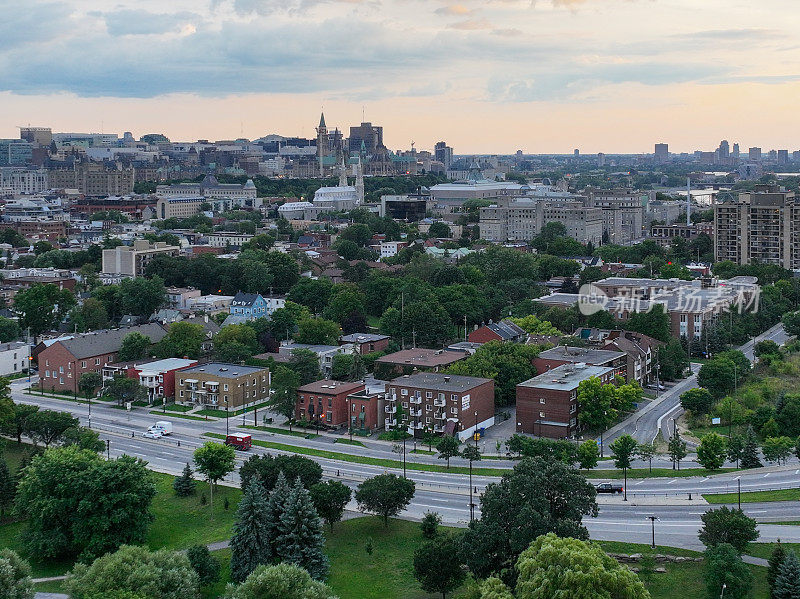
(83, 438)
(430, 524)
(646, 451)
(718, 376)
(565, 567)
(214, 461)
(775, 561)
(42, 307)
(725, 525)
(206, 565)
(15, 576)
(439, 230)
(735, 447)
(711, 451)
(9, 330)
(89, 382)
(299, 537)
(59, 495)
(341, 367)
(437, 566)
(317, 331)
(283, 399)
(8, 489)
(654, 323)
(184, 485)
(588, 454)
(267, 468)
(791, 323)
(312, 293)
(385, 495)
(48, 426)
(142, 296)
(538, 496)
(124, 390)
(90, 316)
(134, 347)
(242, 335)
(447, 448)
(676, 449)
(672, 360)
(596, 402)
(284, 581)
(750, 450)
(14, 423)
(184, 339)
(330, 498)
(306, 364)
(787, 582)
(697, 401)
(724, 566)
(161, 574)
(533, 325)
(777, 449)
(624, 448)
(251, 545)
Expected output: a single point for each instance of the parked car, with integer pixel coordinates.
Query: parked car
(151, 434)
(612, 488)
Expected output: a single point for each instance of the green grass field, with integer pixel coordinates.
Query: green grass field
(764, 550)
(177, 415)
(281, 431)
(755, 496)
(344, 441)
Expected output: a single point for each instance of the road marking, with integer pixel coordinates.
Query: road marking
(767, 474)
(674, 480)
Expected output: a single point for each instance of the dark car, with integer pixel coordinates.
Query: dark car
(609, 488)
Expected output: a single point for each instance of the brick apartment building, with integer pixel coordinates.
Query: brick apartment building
(593, 356)
(218, 385)
(62, 362)
(505, 330)
(441, 403)
(547, 404)
(366, 343)
(42, 230)
(367, 409)
(408, 361)
(325, 401)
(157, 376)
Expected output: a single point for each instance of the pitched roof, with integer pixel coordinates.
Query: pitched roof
(108, 341)
(506, 330)
(244, 299)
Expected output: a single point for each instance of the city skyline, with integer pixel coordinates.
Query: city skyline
(490, 77)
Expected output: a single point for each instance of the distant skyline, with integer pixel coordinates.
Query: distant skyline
(486, 76)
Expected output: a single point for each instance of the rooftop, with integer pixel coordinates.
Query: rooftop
(588, 355)
(108, 341)
(362, 338)
(566, 377)
(224, 370)
(427, 358)
(438, 381)
(329, 387)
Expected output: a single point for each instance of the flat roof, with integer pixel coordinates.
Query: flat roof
(589, 355)
(438, 381)
(429, 358)
(224, 370)
(566, 377)
(362, 337)
(166, 365)
(331, 387)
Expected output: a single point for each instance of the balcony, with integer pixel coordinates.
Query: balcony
(415, 400)
(440, 415)
(439, 403)
(391, 422)
(438, 428)
(391, 409)
(417, 425)
(417, 412)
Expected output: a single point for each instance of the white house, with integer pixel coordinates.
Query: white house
(14, 357)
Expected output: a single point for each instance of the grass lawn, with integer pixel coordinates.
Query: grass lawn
(231, 413)
(764, 550)
(178, 415)
(423, 451)
(349, 442)
(174, 407)
(280, 431)
(755, 496)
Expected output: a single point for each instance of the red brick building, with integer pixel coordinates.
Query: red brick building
(366, 343)
(158, 376)
(366, 409)
(547, 404)
(62, 362)
(325, 401)
(408, 361)
(563, 354)
(505, 330)
(441, 403)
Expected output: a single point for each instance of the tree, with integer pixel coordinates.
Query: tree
(162, 574)
(735, 447)
(125, 390)
(437, 566)
(697, 401)
(777, 449)
(539, 496)
(142, 296)
(750, 450)
(317, 331)
(430, 524)
(42, 307)
(239, 336)
(312, 293)
(48, 426)
(711, 452)
(775, 561)
(447, 448)
(79, 504)
(15, 576)
(89, 382)
(284, 581)
(718, 376)
(672, 360)
(8, 489)
(184, 340)
(596, 402)
(16, 424)
(299, 537)
(646, 451)
(330, 498)
(725, 525)
(791, 323)
(566, 567)
(214, 461)
(184, 485)
(83, 438)
(285, 382)
(306, 364)
(251, 544)
(624, 448)
(676, 449)
(90, 316)
(267, 468)
(724, 566)
(9, 330)
(134, 347)
(588, 454)
(206, 565)
(787, 582)
(385, 495)
(654, 323)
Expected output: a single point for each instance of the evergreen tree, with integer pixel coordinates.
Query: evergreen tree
(300, 540)
(787, 583)
(8, 488)
(750, 450)
(184, 484)
(775, 562)
(275, 507)
(250, 542)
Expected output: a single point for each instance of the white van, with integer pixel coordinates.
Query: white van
(163, 426)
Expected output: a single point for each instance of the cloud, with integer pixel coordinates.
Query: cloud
(35, 22)
(269, 7)
(142, 22)
(454, 10)
(471, 25)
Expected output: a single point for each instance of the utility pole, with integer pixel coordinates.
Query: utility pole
(653, 520)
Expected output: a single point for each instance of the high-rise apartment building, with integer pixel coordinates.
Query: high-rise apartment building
(724, 150)
(15, 152)
(754, 154)
(443, 153)
(661, 154)
(759, 226)
(623, 212)
(38, 136)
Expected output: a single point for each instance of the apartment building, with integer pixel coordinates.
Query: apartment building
(640, 350)
(14, 358)
(23, 180)
(180, 207)
(407, 361)
(550, 359)
(505, 330)
(133, 260)
(622, 210)
(226, 239)
(94, 179)
(547, 404)
(366, 343)
(441, 403)
(222, 385)
(760, 226)
(157, 376)
(325, 401)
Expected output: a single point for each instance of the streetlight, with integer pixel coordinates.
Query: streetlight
(350, 417)
(739, 491)
(226, 418)
(722, 594)
(475, 434)
(653, 520)
(108, 449)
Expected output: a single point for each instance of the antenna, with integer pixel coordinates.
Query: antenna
(363, 109)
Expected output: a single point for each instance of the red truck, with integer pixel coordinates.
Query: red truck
(240, 442)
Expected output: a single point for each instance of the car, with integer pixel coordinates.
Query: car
(612, 488)
(151, 434)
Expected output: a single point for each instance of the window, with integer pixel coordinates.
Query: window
(97, 361)
(330, 402)
(181, 393)
(428, 420)
(181, 382)
(541, 400)
(453, 396)
(541, 414)
(69, 365)
(454, 410)
(224, 387)
(405, 404)
(403, 391)
(47, 374)
(60, 370)
(427, 407)
(441, 395)
(428, 394)
(226, 399)
(61, 381)
(47, 362)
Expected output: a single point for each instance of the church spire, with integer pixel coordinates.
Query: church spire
(322, 121)
(342, 174)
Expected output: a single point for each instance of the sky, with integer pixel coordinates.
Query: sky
(486, 76)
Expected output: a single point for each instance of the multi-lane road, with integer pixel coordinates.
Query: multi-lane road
(448, 494)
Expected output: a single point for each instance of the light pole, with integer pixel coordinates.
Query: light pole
(475, 435)
(653, 520)
(108, 449)
(739, 492)
(226, 418)
(722, 593)
(404, 456)
(350, 417)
